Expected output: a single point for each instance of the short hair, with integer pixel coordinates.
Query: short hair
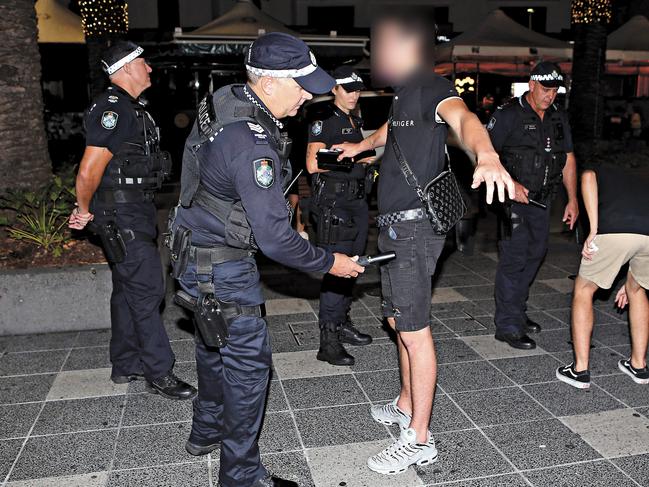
(253, 78)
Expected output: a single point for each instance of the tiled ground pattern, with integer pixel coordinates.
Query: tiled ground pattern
(500, 417)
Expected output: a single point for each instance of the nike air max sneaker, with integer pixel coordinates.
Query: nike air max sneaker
(568, 374)
(404, 452)
(639, 376)
(390, 414)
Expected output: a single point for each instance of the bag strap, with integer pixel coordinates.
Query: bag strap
(411, 179)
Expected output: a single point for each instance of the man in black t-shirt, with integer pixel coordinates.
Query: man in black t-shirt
(424, 104)
(617, 203)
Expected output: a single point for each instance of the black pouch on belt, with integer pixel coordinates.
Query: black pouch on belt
(180, 244)
(111, 240)
(208, 317)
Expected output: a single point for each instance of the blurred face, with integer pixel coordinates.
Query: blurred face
(346, 101)
(139, 72)
(396, 51)
(287, 97)
(541, 97)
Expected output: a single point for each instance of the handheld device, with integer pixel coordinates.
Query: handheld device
(328, 159)
(376, 259)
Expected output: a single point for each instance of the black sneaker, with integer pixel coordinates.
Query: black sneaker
(568, 374)
(639, 376)
(272, 481)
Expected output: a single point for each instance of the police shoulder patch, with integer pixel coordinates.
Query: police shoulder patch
(316, 128)
(491, 123)
(264, 172)
(109, 120)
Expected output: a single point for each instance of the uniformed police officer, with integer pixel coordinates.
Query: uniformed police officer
(532, 136)
(121, 169)
(232, 203)
(339, 214)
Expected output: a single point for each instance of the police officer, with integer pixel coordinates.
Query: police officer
(232, 203)
(121, 169)
(340, 214)
(532, 136)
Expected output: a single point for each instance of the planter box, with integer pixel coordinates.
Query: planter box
(51, 300)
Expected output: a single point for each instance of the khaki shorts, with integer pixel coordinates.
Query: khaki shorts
(615, 250)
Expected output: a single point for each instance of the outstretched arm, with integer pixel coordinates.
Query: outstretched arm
(571, 212)
(377, 139)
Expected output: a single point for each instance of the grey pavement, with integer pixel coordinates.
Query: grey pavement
(500, 416)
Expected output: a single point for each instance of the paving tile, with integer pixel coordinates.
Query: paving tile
(32, 362)
(290, 466)
(599, 474)
(499, 406)
(281, 322)
(460, 280)
(338, 425)
(599, 317)
(276, 400)
(377, 356)
(144, 446)
(77, 384)
(383, 385)
(8, 452)
(186, 475)
(17, 419)
(184, 350)
(565, 400)
(454, 350)
(43, 341)
(88, 358)
(153, 408)
(623, 388)
(486, 308)
(465, 325)
(446, 295)
(547, 321)
(93, 338)
(512, 480)
(331, 390)
(562, 285)
(25, 388)
(457, 310)
(278, 433)
(603, 361)
(446, 416)
(69, 454)
(470, 376)
(287, 306)
(463, 455)
(294, 365)
(540, 444)
(550, 301)
(335, 466)
(79, 415)
(476, 292)
(610, 335)
(529, 370)
(621, 432)
(95, 479)
(636, 466)
(490, 348)
(554, 340)
(283, 342)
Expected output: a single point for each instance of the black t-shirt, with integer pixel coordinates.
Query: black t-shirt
(336, 129)
(623, 199)
(421, 135)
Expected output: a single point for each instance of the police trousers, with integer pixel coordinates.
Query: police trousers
(336, 292)
(233, 380)
(519, 261)
(139, 343)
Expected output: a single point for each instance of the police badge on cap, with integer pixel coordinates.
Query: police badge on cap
(548, 74)
(349, 79)
(119, 54)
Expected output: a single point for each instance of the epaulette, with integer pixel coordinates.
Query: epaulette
(260, 135)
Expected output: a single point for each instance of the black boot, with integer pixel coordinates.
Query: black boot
(331, 350)
(272, 481)
(349, 334)
(171, 387)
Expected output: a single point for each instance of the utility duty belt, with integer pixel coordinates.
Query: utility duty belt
(114, 239)
(120, 196)
(352, 189)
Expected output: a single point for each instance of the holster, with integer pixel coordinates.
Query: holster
(331, 229)
(179, 245)
(111, 240)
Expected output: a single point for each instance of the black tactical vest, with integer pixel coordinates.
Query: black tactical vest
(535, 154)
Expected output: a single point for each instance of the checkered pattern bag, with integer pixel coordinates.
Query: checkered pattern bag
(441, 198)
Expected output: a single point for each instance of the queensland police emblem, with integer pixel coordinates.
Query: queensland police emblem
(109, 120)
(316, 128)
(264, 173)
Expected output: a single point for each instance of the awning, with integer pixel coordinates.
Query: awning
(57, 24)
(630, 43)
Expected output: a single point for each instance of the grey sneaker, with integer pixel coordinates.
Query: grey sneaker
(404, 452)
(389, 414)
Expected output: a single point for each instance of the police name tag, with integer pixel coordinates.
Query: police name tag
(109, 120)
(264, 173)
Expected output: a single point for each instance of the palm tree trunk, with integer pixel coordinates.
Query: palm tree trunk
(24, 158)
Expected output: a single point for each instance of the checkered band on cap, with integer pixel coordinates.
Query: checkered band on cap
(116, 66)
(553, 76)
(282, 73)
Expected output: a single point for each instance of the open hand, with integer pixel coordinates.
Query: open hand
(491, 172)
(571, 213)
(347, 149)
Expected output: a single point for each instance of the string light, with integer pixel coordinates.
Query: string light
(101, 17)
(591, 11)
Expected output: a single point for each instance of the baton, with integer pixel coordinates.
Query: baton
(293, 182)
(375, 259)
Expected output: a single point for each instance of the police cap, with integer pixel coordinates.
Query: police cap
(349, 79)
(548, 74)
(116, 56)
(280, 55)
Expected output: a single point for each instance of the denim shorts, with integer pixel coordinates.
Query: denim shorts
(406, 282)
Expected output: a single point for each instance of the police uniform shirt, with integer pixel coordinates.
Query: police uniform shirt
(506, 124)
(338, 128)
(112, 121)
(421, 135)
(242, 163)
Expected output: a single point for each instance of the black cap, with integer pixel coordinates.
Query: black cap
(349, 79)
(280, 55)
(119, 54)
(548, 74)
